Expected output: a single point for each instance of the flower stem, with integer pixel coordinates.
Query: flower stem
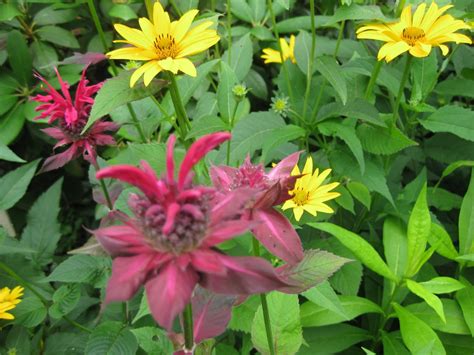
(231, 124)
(373, 79)
(149, 8)
(183, 120)
(277, 35)
(406, 73)
(100, 30)
(309, 74)
(110, 205)
(188, 327)
(263, 301)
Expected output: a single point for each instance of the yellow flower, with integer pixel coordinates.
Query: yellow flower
(288, 50)
(416, 34)
(164, 45)
(309, 193)
(8, 301)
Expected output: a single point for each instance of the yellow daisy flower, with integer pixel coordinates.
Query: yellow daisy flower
(8, 301)
(309, 193)
(416, 34)
(163, 44)
(288, 50)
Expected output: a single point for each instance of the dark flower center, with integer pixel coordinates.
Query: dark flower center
(187, 232)
(74, 130)
(412, 34)
(165, 46)
(250, 175)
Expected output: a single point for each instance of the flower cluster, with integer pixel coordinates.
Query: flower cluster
(271, 55)
(71, 116)
(9, 300)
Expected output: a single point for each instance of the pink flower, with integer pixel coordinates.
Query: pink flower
(169, 244)
(71, 117)
(272, 229)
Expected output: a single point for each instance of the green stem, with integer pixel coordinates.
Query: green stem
(373, 79)
(231, 124)
(405, 75)
(188, 327)
(149, 8)
(183, 120)
(100, 30)
(401, 5)
(175, 7)
(110, 205)
(263, 301)
(309, 74)
(277, 35)
(77, 325)
(339, 38)
(229, 31)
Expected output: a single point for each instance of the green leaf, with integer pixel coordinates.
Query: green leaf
(65, 343)
(355, 108)
(285, 324)
(143, 310)
(332, 72)
(18, 341)
(153, 340)
(457, 344)
(52, 16)
(443, 200)
(315, 267)
(122, 11)
(81, 269)
(42, 231)
(360, 192)
(465, 297)
(453, 119)
(241, 10)
(19, 56)
(384, 141)
(8, 12)
(256, 84)
(347, 134)
(11, 124)
(280, 136)
(454, 324)
(13, 185)
(243, 314)
(9, 245)
(324, 296)
(441, 239)
(251, 131)
(29, 312)
(395, 245)
(356, 12)
(393, 345)
(116, 92)
(44, 59)
(225, 98)
(58, 36)
(65, 299)
(359, 246)
(424, 72)
(313, 315)
(331, 339)
(456, 86)
(467, 257)
(9, 155)
(453, 166)
(417, 335)
(419, 228)
(259, 8)
(442, 284)
(432, 300)
(466, 220)
(111, 338)
(303, 53)
(241, 57)
(8, 95)
(345, 200)
(206, 125)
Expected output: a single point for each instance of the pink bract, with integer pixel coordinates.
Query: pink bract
(169, 244)
(71, 117)
(271, 228)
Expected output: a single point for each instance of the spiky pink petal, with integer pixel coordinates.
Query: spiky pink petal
(121, 240)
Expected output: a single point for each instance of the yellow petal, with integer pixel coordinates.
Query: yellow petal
(131, 53)
(140, 71)
(205, 41)
(6, 316)
(134, 36)
(288, 204)
(444, 49)
(298, 212)
(308, 166)
(317, 180)
(161, 19)
(405, 17)
(183, 25)
(195, 33)
(420, 50)
(418, 15)
(169, 64)
(147, 28)
(396, 49)
(271, 56)
(186, 66)
(322, 207)
(151, 72)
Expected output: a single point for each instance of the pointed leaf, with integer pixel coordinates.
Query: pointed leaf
(331, 70)
(466, 220)
(442, 284)
(395, 245)
(324, 296)
(465, 297)
(111, 338)
(441, 239)
(432, 300)
(13, 185)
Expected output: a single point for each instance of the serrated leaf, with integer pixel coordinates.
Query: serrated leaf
(206, 125)
(13, 185)
(285, 323)
(453, 119)
(331, 70)
(243, 314)
(111, 338)
(417, 335)
(385, 141)
(280, 136)
(42, 231)
(324, 296)
(359, 247)
(81, 269)
(456, 86)
(65, 298)
(432, 300)
(153, 340)
(419, 228)
(355, 108)
(466, 220)
(424, 72)
(313, 315)
(29, 312)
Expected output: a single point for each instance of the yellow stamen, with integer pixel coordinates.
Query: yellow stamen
(165, 46)
(412, 34)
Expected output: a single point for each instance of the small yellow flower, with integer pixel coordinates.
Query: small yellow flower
(416, 34)
(288, 50)
(309, 193)
(8, 301)
(163, 44)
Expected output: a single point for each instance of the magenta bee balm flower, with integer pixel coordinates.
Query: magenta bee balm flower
(271, 228)
(169, 243)
(71, 117)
